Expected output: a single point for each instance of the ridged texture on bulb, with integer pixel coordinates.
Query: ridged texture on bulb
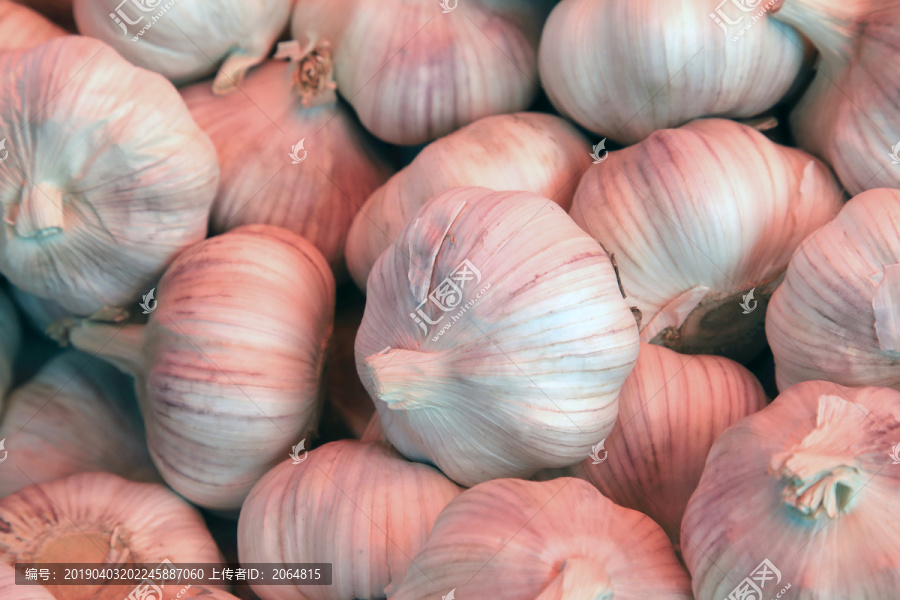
(671, 409)
(186, 41)
(10, 341)
(229, 366)
(850, 115)
(805, 483)
(77, 414)
(10, 591)
(101, 518)
(834, 317)
(532, 152)
(414, 73)
(624, 69)
(107, 179)
(254, 132)
(556, 540)
(521, 368)
(360, 506)
(21, 27)
(697, 218)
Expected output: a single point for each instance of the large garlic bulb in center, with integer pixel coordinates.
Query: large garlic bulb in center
(806, 485)
(107, 179)
(624, 69)
(229, 366)
(495, 337)
(555, 540)
(414, 72)
(702, 221)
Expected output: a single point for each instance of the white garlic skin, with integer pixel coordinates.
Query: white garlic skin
(358, 505)
(625, 69)
(699, 216)
(555, 540)
(253, 132)
(118, 179)
(740, 515)
(21, 27)
(532, 152)
(188, 41)
(671, 410)
(101, 518)
(10, 342)
(391, 60)
(833, 317)
(849, 115)
(77, 414)
(539, 355)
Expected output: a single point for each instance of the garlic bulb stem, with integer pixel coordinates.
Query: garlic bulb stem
(403, 377)
(120, 345)
(823, 475)
(579, 579)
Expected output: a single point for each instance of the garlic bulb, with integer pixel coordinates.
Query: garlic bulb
(834, 317)
(21, 27)
(495, 328)
(10, 341)
(671, 409)
(58, 11)
(39, 312)
(104, 519)
(359, 506)
(186, 41)
(532, 152)
(556, 540)
(107, 178)
(624, 69)
(803, 484)
(254, 131)
(702, 221)
(77, 414)
(229, 366)
(10, 591)
(849, 115)
(391, 60)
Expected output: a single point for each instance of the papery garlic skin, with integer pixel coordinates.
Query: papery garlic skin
(541, 340)
(556, 540)
(671, 410)
(849, 115)
(188, 41)
(834, 317)
(805, 483)
(254, 132)
(21, 27)
(107, 179)
(698, 218)
(625, 69)
(357, 505)
(391, 60)
(104, 519)
(532, 152)
(10, 591)
(77, 414)
(229, 365)
(10, 342)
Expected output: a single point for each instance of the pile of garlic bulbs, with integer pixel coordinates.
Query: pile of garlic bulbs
(451, 299)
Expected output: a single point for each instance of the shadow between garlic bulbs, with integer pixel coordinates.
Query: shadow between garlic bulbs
(10, 343)
(495, 338)
(702, 221)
